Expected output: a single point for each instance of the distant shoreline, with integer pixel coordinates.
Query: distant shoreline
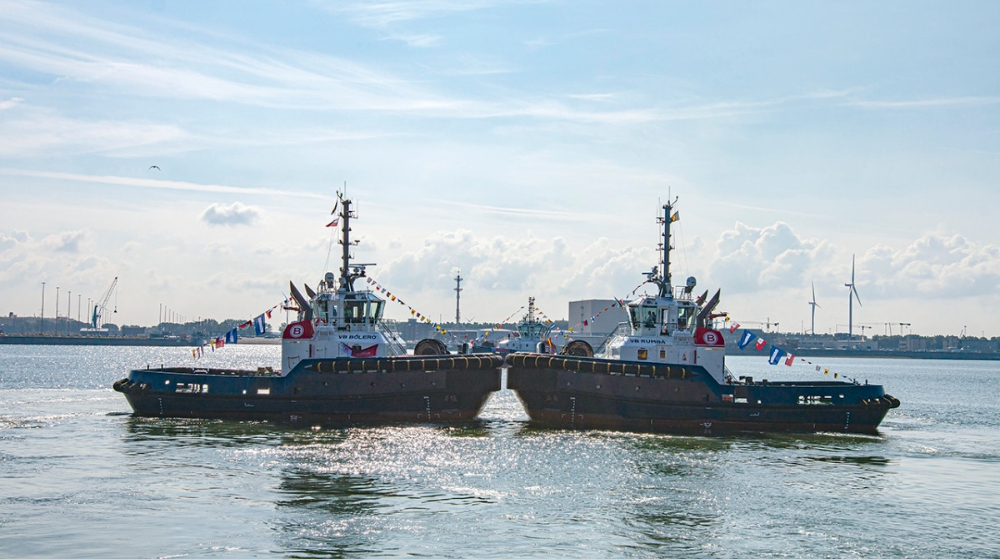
(885, 354)
(179, 342)
(85, 340)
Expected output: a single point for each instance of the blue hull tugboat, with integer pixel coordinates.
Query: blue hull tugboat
(664, 371)
(339, 364)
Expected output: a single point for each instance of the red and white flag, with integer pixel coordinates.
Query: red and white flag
(761, 342)
(733, 327)
(790, 359)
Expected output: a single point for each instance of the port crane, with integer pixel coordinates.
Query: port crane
(766, 325)
(102, 305)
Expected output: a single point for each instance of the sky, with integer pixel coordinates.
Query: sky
(527, 145)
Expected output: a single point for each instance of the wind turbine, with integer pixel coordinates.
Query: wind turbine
(813, 304)
(852, 294)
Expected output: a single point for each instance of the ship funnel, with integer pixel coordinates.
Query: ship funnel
(304, 307)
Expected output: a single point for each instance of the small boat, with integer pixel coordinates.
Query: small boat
(664, 371)
(340, 363)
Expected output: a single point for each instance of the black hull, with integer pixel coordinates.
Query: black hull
(562, 392)
(339, 391)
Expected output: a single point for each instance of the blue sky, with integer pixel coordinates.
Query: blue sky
(528, 144)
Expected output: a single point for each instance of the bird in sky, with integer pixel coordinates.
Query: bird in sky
(154, 167)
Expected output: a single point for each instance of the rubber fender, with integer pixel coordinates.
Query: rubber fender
(430, 346)
(577, 348)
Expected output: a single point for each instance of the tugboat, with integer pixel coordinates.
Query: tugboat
(339, 364)
(532, 336)
(664, 371)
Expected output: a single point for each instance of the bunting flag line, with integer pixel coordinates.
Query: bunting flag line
(379, 288)
(259, 324)
(777, 354)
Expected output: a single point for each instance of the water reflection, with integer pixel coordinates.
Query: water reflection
(328, 515)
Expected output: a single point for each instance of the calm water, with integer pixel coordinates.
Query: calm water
(80, 477)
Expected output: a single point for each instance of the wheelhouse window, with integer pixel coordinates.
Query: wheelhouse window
(325, 309)
(354, 311)
(360, 311)
(375, 310)
(684, 315)
(634, 314)
(649, 317)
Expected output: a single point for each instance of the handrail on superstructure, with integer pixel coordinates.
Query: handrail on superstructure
(623, 329)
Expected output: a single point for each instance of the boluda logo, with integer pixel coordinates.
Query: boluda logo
(298, 330)
(706, 336)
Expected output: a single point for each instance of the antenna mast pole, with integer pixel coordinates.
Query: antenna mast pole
(458, 295)
(666, 290)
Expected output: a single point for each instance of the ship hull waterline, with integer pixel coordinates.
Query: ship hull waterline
(686, 400)
(340, 391)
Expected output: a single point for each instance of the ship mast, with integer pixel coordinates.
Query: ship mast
(458, 296)
(662, 277)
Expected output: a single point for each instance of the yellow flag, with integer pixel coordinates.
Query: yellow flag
(675, 217)
(826, 371)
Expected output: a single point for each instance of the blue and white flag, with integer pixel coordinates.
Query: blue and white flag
(259, 326)
(776, 353)
(748, 337)
(232, 337)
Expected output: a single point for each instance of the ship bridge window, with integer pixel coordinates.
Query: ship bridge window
(326, 310)
(683, 317)
(362, 311)
(375, 310)
(665, 321)
(649, 318)
(354, 311)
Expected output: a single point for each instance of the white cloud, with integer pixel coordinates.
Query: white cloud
(415, 40)
(10, 103)
(380, 15)
(158, 184)
(750, 259)
(39, 132)
(501, 271)
(66, 257)
(937, 265)
(68, 241)
(9, 242)
(928, 103)
(231, 215)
